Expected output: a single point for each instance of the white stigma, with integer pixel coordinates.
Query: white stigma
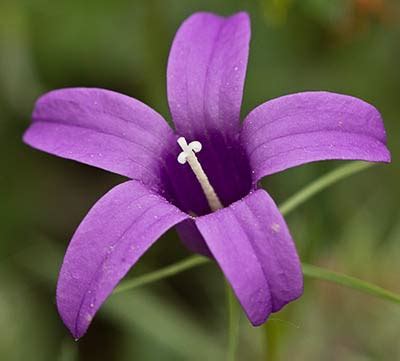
(188, 155)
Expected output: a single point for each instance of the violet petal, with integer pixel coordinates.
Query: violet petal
(205, 77)
(191, 237)
(104, 129)
(206, 72)
(312, 126)
(252, 244)
(120, 227)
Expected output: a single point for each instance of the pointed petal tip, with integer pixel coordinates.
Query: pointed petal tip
(206, 71)
(101, 128)
(388, 158)
(28, 137)
(109, 241)
(312, 126)
(257, 239)
(262, 319)
(240, 14)
(75, 329)
(259, 322)
(243, 15)
(294, 295)
(77, 335)
(25, 137)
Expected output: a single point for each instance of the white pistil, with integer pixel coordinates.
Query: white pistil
(188, 155)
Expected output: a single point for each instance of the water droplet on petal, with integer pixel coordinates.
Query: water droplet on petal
(275, 227)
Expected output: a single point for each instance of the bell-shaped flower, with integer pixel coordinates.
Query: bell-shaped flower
(202, 176)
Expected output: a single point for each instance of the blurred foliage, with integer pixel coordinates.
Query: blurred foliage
(347, 46)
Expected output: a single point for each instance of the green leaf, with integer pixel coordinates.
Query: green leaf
(350, 282)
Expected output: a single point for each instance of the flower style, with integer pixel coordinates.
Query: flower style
(214, 200)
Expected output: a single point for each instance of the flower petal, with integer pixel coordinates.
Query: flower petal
(206, 72)
(116, 232)
(191, 238)
(102, 128)
(205, 77)
(312, 126)
(252, 245)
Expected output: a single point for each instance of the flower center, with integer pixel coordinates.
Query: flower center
(188, 155)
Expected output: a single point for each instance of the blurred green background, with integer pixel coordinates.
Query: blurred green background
(347, 46)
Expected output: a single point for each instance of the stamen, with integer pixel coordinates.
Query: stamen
(188, 155)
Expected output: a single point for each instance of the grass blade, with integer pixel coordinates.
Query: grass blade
(161, 273)
(308, 271)
(350, 282)
(320, 184)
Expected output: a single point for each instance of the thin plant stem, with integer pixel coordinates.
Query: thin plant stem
(350, 282)
(68, 351)
(162, 273)
(271, 335)
(309, 271)
(320, 184)
(233, 323)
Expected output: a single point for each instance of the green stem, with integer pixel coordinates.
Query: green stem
(320, 184)
(233, 323)
(161, 273)
(308, 271)
(69, 350)
(350, 282)
(271, 334)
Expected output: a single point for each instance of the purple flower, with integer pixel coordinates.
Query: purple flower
(247, 237)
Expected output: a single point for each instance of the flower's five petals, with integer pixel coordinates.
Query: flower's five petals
(116, 232)
(104, 129)
(252, 245)
(206, 72)
(312, 126)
